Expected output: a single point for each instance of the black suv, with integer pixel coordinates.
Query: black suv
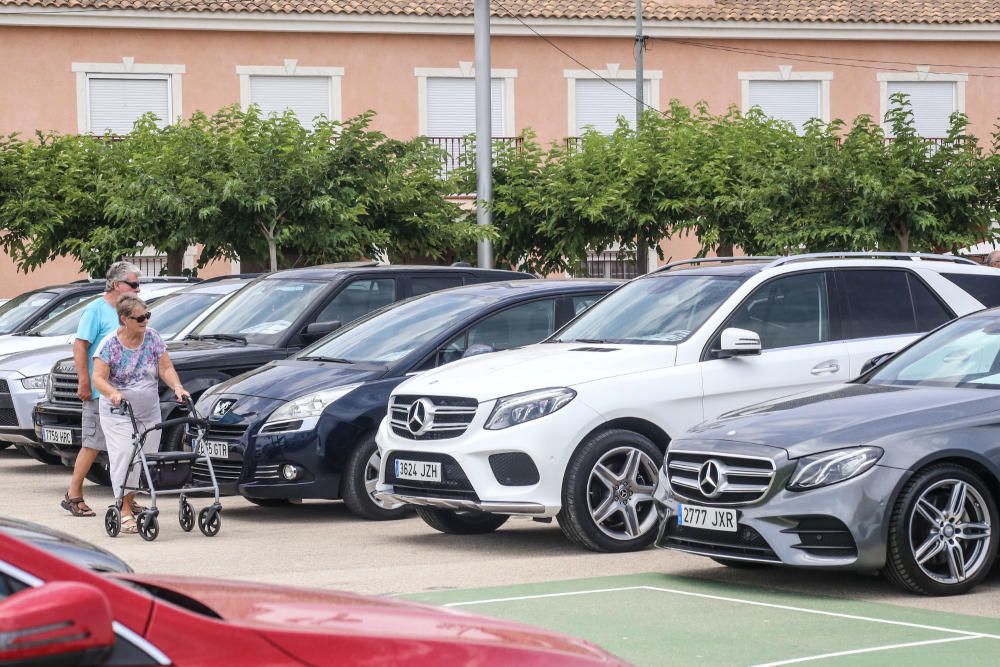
(272, 318)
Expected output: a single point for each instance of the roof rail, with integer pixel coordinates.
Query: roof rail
(816, 256)
(722, 260)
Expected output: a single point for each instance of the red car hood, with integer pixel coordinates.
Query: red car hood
(282, 613)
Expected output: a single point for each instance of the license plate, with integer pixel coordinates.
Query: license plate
(422, 471)
(216, 449)
(59, 436)
(708, 518)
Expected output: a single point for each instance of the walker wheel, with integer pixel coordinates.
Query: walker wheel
(149, 526)
(112, 521)
(186, 516)
(209, 521)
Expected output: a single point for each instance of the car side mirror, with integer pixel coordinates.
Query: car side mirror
(61, 623)
(317, 330)
(876, 361)
(738, 343)
(477, 349)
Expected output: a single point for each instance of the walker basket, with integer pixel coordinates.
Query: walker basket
(169, 470)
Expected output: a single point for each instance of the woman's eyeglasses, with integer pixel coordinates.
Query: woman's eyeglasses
(133, 285)
(141, 318)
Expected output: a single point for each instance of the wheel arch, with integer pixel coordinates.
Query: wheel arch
(657, 435)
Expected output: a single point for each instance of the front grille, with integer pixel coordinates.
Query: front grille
(742, 479)
(445, 417)
(8, 417)
(823, 536)
(267, 472)
(227, 471)
(744, 543)
(4, 389)
(64, 387)
(453, 484)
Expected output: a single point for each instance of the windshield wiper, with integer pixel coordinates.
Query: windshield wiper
(336, 360)
(232, 337)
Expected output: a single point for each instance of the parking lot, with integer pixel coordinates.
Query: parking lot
(650, 608)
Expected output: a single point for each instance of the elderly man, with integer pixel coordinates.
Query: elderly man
(993, 259)
(99, 319)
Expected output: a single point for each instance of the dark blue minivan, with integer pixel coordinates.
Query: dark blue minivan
(304, 427)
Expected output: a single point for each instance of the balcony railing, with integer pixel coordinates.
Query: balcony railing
(150, 265)
(455, 147)
(608, 264)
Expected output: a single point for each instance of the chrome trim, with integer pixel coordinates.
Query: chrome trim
(716, 554)
(141, 643)
(20, 575)
(456, 504)
(674, 480)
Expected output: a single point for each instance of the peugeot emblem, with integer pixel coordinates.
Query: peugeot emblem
(420, 416)
(222, 406)
(711, 478)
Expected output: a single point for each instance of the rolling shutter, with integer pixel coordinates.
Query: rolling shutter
(792, 101)
(307, 96)
(115, 103)
(600, 102)
(451, 106)
(932, 103)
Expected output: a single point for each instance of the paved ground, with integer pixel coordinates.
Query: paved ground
(649, 608)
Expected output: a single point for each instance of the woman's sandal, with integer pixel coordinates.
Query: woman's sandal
(76, 506)
(136, 508)
(129, 525)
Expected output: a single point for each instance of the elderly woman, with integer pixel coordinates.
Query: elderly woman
(127, 364)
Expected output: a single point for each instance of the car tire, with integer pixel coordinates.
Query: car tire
(43, 456)
(461, 523)
(358, 485)
(100, 473)
(941, 540)
(607, 496)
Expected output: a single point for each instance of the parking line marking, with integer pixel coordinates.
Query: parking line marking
(872, 649)
(723, 598)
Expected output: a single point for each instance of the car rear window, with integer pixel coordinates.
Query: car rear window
(984, 288)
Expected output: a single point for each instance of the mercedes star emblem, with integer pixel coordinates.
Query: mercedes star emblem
(711, 478)
(420, 416)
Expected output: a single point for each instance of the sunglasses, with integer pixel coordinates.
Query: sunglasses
(141, 318)
(133, 285)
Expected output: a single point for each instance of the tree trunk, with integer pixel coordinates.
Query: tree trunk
(272, 251)
(175, 262)
(641, 258)
(724, 250)
(904, 240)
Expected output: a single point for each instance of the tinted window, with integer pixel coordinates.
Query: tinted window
(358, 298)
(173, 314)
(582, 303)
(984, 288)
(425, 284)
(9, 586)
(794, 310)
(261, 312)
(20, 308)
(66, 322)
(521, 325)
(66, 303)
(887, 303)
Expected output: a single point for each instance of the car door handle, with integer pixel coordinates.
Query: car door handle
(825, 367)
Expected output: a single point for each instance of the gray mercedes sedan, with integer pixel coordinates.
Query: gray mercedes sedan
(897, 471)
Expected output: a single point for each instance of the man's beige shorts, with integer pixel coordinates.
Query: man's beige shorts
(92, 436)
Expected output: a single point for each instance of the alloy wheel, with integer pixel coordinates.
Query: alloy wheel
(620, 493)
(949, 531)
(371, 481)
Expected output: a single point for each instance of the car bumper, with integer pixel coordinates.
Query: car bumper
(548, 442)
(843, 526)
(65, 418)
(16, 405)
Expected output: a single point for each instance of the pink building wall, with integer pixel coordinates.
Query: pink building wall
(38, 88)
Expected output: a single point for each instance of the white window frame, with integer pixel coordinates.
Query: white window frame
(465, 70)
(291, 68)
(785, 73)
(614, 73)
(922, 73)
(127, 68)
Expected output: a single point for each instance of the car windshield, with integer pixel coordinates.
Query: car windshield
(394, 332)
(261, 312)
(65, 323)
(20, 308)
(660, 309)
(173, 313)
(965, 353)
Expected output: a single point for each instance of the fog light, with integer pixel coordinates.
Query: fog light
(290, 472)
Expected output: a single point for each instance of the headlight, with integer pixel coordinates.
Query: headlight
(35, 382)
(520, 408)
(829, 468)
(306, 409)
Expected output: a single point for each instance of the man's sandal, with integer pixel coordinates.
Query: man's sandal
(76, 506)
(129, 525)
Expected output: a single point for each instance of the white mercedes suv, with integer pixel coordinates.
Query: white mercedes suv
(576, 427)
